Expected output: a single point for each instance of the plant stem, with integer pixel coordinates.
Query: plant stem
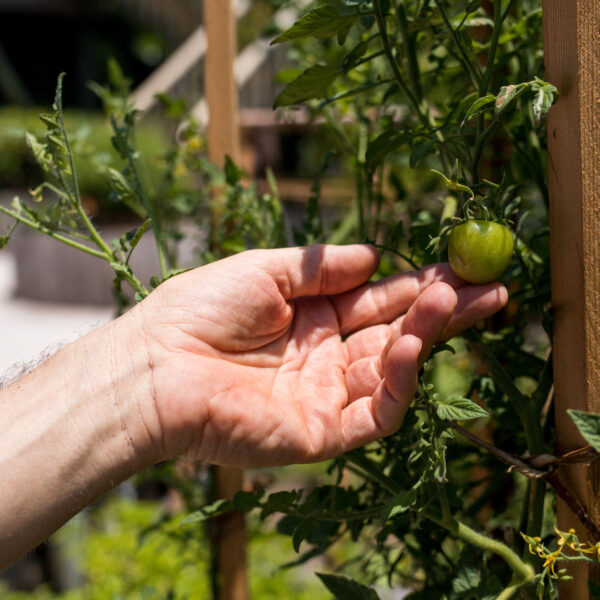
(411, 54)
(536, 512)
(510, 591)
(425, 118)
(387, 48)
(373, 471)
(475, 78)
(49, 232)
(523, 573)
(96, 237)
(520, 404)
(148, 206)
(133, 281)
(489, 68)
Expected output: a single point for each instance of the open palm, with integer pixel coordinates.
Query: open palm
(286, 356)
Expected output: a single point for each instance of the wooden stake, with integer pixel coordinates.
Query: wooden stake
(224, 139)
(219, 81)
(572, 41)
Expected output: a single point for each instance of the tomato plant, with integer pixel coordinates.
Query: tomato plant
(480, 251)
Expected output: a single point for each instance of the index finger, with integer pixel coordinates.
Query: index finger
(384, 301)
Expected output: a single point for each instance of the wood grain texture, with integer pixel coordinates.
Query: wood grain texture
(572, 49)
(221, 90)
(224, 139)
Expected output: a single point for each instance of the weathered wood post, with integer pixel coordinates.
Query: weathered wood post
(572, 48)
(224, 139)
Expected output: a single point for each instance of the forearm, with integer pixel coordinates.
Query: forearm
(71, 430)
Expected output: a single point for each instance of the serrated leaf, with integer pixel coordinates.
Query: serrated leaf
(467, 578)
(322, 23)
(247, 501)
(383, 145)
(399, 504)
(312, 84)
(344, 588)
(208, 512)
(50, 120)
(281, 501)
(588, 425)
(121, 185)
(456, 408)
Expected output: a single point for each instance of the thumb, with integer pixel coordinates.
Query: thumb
(320, 269)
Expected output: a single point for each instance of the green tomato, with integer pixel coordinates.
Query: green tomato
(479, 251)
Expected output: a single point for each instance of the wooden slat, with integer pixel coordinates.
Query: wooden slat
(224, 139)
(572, 41)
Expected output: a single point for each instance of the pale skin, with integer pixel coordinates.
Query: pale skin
(266, 358)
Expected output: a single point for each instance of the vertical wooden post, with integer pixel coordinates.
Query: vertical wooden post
(572, 48)
(224, 139)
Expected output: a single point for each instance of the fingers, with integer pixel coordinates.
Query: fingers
(385, 300)
(363, 377)
(319, 270)
(426, 320)
(369, 418)
(427, 317)
(379, 415)
(475, 303)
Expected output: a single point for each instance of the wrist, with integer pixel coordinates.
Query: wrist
(129, 370)
(73, 429)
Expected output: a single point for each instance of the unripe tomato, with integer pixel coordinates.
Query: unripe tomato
(479, 250)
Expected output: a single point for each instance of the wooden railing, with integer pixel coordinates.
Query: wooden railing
(181, 75)
(174, 19)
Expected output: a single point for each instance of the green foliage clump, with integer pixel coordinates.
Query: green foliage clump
(94, 153)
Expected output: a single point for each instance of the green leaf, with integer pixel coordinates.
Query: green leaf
(355, 55)
(456, 408)
(508, 94)
(419, 152)
(322, 23)
(305, 528)
(467, 578)
(313, 83)
(281, 501)
(399, 504)
(132, 238)
(542, 103)
(478, 107)
(121, 185)
(208, 512)
(383, 145)
(344, 588)
(233, 174)
(247, 501)
(588, 425)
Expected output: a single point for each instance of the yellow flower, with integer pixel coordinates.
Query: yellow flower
(194, 143)
(180, 170)
(551, 559)
(593, 549)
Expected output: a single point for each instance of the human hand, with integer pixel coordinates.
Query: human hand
(288, 356)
